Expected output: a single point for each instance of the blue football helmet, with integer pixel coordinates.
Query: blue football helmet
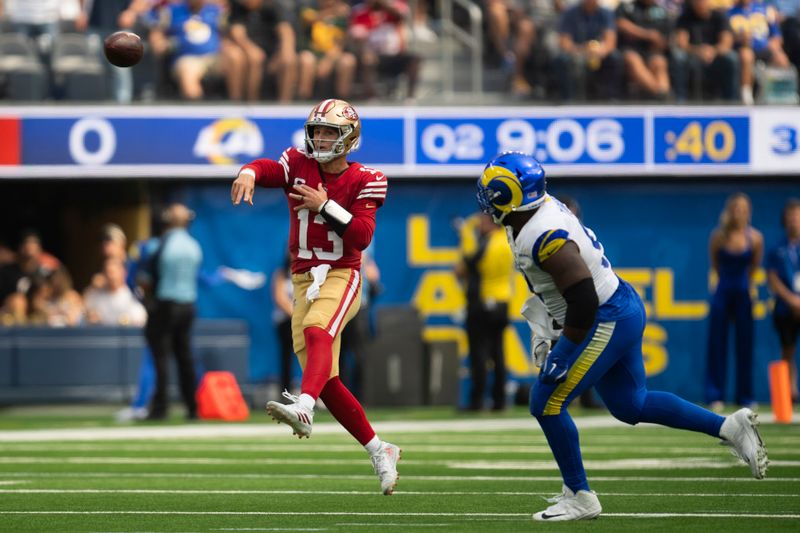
(512, 181)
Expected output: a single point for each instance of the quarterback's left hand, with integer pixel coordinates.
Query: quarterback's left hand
(311, 198)
(555, 369)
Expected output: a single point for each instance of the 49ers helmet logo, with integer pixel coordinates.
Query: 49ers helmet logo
(349, 113)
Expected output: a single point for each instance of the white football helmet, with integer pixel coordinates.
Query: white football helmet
(336, 114)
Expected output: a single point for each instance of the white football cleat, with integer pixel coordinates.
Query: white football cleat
(385, 465)
(569, 505)
(740, 432)
(296, 415)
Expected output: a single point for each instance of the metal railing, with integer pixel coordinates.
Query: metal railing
(472, 40)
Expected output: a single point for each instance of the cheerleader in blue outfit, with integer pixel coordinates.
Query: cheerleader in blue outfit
(735, 250)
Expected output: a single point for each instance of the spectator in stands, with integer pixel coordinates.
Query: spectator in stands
(789, 17)
(735, 252)
(102, 18)
(283, 305)
(704, 53)
(14, 311)
(378, 29)
(783, 276)
(114, 304)
(64, 307)
(113, 245)
(486, 270)
(512, 34)
(172, 279)
(32, 262)
(757, 37)
(264, 31)
(37, 295)
(38, 19)
(191, 32)
(644, 31)
(588, 58)
(323, 37)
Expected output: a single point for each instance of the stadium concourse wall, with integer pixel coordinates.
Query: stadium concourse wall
(651, 183)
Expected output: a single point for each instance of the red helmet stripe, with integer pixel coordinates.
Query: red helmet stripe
(324, 106)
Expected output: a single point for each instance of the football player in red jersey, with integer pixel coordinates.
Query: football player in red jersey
(332, 204)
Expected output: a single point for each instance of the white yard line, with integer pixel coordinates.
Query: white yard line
(724, 461)
(521, 478)
(371, 493)
(632, 444)
(268, 430)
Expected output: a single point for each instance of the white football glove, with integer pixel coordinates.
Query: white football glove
(543, 331)
(540, 347)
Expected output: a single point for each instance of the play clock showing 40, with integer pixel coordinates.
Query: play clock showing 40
(699, 140)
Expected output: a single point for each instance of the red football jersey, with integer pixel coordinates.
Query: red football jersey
(359, 189)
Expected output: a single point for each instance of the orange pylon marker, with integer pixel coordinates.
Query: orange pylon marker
(219, 397)
(779, 391)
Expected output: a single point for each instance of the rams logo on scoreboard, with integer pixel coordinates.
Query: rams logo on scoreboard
(229, 141)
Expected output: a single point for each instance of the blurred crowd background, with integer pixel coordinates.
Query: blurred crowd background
(736, 51)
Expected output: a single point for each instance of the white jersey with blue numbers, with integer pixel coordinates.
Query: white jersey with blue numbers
(552, 226)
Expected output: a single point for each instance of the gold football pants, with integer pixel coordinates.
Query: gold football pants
(338, 302)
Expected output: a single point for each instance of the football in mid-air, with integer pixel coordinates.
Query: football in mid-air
(123, 48)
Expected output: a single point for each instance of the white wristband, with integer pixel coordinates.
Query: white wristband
(336, 212)
(248, 171)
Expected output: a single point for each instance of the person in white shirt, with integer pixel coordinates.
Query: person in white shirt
(114, 304)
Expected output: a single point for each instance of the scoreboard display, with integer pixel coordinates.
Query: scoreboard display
(404, 142)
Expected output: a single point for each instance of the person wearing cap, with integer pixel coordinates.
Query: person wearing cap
(171, 280)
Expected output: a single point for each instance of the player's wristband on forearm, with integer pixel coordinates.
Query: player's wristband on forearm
(337, 217)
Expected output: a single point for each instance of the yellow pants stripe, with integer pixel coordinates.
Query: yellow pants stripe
(583, 363)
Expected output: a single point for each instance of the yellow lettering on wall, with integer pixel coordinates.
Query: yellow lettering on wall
(640, 279)
(519, 293)
(664, 302)
(420, 252)
(760, 307)
(654, 351)
(447, 333)
(517, 360)
(439, 293)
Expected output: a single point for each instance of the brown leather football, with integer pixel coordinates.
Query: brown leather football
(123, 48)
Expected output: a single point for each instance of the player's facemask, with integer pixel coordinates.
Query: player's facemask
(340, 116)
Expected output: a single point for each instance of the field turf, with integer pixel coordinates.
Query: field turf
(74, 469)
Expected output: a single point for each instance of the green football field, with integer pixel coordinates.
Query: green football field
(73, 469)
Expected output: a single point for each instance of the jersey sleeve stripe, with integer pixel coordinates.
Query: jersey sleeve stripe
(547, 244)
(371, 195)
(284, 161)
(376, 183)
(600, 339)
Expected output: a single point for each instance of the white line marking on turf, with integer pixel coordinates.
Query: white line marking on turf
(633, 446)
(272, 529)
(536, 479)
(373, 493)
(400, 514)
(724, 461)
(389, 524)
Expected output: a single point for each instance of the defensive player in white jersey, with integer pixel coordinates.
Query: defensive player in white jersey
(599, 321)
